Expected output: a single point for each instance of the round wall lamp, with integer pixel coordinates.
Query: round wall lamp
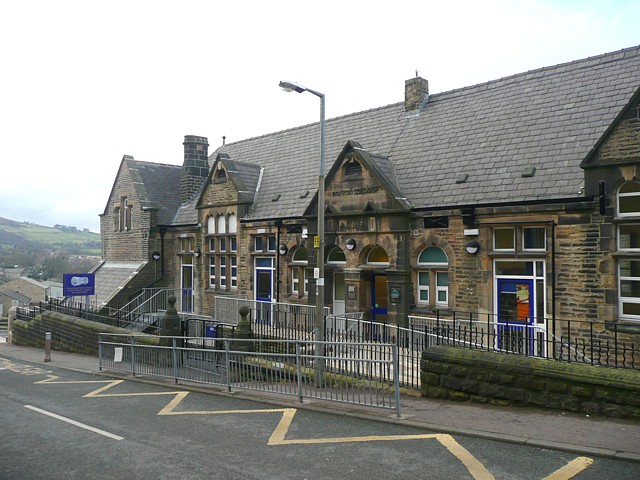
(472, 247)
(282, 249)
(350, 244)
(197, 253)
(155, 255)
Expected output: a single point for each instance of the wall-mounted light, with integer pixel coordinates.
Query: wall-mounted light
(472, 247)
(282, 249)
(197, 253)
(155, 255)
(350, 244)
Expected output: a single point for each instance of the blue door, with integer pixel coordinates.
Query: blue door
(379, 297)
(515, 315)
(264, 290)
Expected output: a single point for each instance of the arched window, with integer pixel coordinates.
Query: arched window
(628, 208)
(629, 199)
(432, 277)
(221, 225)
(353, 169)
(378, 256)
(232, 223)
(211, 226)
(220, 176)
(336, 256)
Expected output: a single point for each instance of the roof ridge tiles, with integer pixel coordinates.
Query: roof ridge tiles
(434, 96)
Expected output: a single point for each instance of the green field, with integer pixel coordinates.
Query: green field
(28, 236)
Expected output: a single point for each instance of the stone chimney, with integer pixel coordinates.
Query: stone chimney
(195, 167)
(416, 94)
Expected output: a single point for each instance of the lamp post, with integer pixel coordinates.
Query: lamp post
(320, 320)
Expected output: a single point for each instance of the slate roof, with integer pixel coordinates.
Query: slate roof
(548, 119)
(110, 277)
(16, 296)
(158, 186)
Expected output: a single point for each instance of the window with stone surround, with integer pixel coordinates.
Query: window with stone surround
(628, 250)
(222, 251)
(299, 262)
(432, 273)
(122, 215)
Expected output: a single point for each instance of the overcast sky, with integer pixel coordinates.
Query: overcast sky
(83, 83)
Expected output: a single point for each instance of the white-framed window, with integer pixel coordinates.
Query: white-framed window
(378, 257)
(628, 245)
(504, 239)
(234, 271)
(432, 277)
(628, 199)
(212, 271)
(534, 239)
(336, 256)
(222, 225)
(295, 280)
(223, 272)
(271, 243)
(258, 243)
(223, 262)
(299, 262)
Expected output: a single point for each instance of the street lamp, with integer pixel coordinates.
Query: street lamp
(294, 87)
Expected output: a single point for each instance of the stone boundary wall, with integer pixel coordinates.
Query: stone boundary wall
(513, 380)
(68, 334)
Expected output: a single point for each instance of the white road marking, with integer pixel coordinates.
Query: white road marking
(73, 422)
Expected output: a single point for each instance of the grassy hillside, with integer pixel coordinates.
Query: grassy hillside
(28, 236)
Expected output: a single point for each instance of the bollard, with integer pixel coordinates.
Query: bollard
(47, 347)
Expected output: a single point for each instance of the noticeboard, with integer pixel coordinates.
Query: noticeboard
(78, 284)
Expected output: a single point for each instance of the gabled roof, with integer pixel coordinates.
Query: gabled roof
(16, 296)
(157, 186)
(245, 177)
(543, 122)
(380, 167)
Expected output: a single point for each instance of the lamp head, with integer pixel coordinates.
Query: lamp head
(291, 86)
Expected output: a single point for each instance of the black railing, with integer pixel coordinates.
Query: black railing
(574, 341)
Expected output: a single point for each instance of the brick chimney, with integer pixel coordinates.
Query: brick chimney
(195, 167)
(416, 94)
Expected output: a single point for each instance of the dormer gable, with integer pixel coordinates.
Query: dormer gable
(360, 182)
(230, 182)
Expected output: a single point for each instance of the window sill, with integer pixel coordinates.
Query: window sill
(518, 254)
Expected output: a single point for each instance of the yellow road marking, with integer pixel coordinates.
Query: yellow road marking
(477, 470)
(571, 469)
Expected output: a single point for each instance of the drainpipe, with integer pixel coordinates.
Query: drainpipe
(553, 276)
(278, 225)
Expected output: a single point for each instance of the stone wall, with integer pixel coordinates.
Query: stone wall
(484, 377)
(68, 334)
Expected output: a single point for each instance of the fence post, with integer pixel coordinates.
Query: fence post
(299, 371)
(396, 380)
(133, 355)
(99, 352)
(175, 360)
(227, 361)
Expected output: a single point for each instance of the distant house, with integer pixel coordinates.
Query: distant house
(12, 273)
(32, 289)
(516, 199)
(10, 298)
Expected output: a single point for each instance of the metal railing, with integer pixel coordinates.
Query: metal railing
(362, 374)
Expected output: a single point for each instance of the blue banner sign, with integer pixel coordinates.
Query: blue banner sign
(78, 284)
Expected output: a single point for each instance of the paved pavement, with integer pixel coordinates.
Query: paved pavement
(577, 433)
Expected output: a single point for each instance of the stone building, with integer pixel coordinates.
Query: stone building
(517, 198)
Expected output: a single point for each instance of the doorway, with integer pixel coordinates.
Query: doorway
(516, 315)
(186, 284)
(263, 289)
(379, 295)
